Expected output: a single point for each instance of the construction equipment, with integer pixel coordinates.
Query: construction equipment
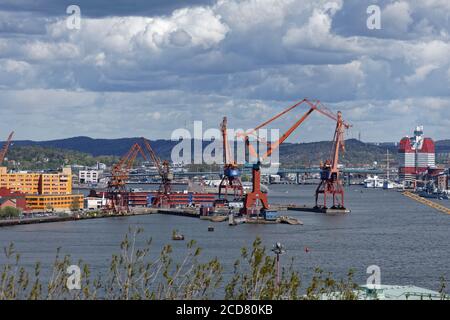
(5, 148)
(116, 191)
(231, 180)
(330, 180)
(118, 195)
(162, 198)
(256, 196)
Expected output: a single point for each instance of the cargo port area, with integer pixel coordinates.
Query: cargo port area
(231, 202)
(325, 212)
(222, 196)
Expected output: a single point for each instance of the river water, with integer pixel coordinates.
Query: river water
(407, 240)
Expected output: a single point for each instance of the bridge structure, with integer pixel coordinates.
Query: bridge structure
(346, 172)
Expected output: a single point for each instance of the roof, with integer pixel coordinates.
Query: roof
(4, 200)
(391, 292)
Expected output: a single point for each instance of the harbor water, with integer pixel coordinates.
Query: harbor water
(407, 240)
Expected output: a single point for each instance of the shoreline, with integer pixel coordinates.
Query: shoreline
(11, 223)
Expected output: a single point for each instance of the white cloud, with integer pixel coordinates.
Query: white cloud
(128, 34)
(246, 58)
(396, 17)
(316, 32)
(421, 73)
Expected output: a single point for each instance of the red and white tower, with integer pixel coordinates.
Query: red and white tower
(416, 155)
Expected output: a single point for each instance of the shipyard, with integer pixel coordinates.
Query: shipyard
(158, 186)
(246, 151)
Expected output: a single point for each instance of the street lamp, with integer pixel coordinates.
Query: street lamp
(278, 249)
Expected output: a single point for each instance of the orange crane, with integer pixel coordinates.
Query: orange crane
(162, 198)
(231, 179)
(116, 191)
(330, 183)
(256, 195)
(5, 148)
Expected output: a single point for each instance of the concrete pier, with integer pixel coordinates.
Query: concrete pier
(320, 210)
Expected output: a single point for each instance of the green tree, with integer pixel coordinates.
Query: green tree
(255, 277)
(10, 212)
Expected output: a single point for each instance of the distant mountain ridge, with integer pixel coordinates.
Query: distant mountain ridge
(443, 146)
(98, 147)
(357, 152)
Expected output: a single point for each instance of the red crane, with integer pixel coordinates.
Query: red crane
(5, 148)
(162, 198)
(231, 179)
(116, 191)
(331, 183)
(256, 195)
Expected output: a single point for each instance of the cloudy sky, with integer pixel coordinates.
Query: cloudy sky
(153, 66)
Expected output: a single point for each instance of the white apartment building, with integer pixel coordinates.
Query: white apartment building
(92, 204)
(89, 176)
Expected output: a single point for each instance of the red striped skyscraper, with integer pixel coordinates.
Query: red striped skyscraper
(416, 155)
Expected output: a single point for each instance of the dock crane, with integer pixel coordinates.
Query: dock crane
(5, 148)
(256, 195)
(331, 183)
(162, 198)
(231, 179)
(116, 191)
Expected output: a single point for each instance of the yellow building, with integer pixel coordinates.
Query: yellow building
(43, 190)
(55, 202)
(37, 183)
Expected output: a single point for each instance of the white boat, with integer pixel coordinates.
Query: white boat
(374, 182)
(248, 187)
(387, 184)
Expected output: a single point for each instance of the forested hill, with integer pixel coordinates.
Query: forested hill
(85, 151)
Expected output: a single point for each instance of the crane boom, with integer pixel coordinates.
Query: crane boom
(120, 171)
(5, 148)
(226, 145)
(339, 142)
(314, 106)
(163, 167)
(156, 160)
(231, 179)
